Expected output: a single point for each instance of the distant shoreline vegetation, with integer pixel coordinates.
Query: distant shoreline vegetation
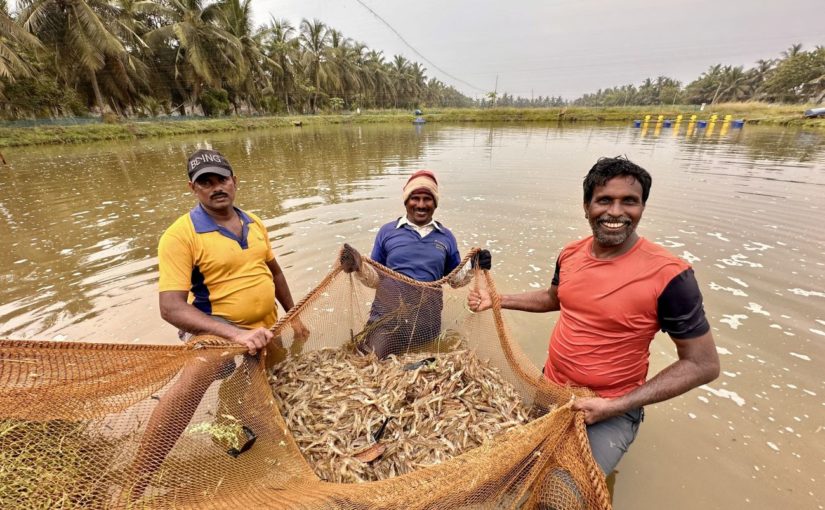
(41, 133)
(206, 58)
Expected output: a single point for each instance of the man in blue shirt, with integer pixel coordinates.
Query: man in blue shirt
(403, 315)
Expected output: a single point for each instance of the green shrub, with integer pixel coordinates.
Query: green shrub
(215, 102)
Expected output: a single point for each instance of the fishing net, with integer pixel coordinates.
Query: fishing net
(198, 426)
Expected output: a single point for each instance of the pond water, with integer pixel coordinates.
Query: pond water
(81, 224)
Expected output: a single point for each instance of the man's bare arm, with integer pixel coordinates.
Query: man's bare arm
(282, 293)
(284, 296)
(538, 301)
(698, 364)
(176, 311)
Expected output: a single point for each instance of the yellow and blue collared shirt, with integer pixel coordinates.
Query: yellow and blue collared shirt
(226, 276)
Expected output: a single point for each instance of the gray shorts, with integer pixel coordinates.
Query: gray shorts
(610, 439)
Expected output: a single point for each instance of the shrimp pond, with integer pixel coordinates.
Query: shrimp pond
(81, 224)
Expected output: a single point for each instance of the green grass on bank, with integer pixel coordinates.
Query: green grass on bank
(753, 113)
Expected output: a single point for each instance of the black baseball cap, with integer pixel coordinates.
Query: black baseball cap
(207, 161)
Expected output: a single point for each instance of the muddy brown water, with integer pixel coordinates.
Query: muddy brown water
(80, 226)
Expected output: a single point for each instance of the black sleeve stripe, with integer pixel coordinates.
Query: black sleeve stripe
(556, 273)
(680, 310)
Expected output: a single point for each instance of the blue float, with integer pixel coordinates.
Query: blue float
(666, 123)
(738, 123)
(702, 123)
(637, 123)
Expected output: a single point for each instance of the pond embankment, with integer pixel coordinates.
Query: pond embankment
(751, 113)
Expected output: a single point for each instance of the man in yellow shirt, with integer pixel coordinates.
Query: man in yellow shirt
(218, 276)
(216, 263)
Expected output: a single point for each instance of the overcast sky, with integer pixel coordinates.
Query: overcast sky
(566, 47)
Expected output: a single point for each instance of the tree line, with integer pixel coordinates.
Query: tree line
(798, 76)
(151, 57)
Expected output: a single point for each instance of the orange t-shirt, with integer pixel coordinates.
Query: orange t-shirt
(610, 314)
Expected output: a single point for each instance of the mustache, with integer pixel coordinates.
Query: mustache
(218, 194)
(611, 219)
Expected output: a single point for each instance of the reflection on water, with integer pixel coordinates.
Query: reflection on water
(81, 226)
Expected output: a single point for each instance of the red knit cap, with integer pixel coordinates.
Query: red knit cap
(422, 181)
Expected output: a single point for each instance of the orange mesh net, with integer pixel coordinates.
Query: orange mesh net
(197, 425)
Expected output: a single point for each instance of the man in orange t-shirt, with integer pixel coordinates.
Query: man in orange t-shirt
(615, 290)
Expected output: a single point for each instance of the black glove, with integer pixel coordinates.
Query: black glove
(350, 259)
(483, 260)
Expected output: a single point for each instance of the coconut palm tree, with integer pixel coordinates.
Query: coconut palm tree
(254, 70)
(192, 42)
(314, 43)
(403, 79)
(735, 85)
(282, 47)
(793, 50)
(376, 73)
(81, 34)
(13, 39)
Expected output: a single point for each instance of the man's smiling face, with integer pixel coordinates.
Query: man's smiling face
(615, 210)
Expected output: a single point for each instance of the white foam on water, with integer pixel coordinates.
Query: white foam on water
(535, 285)
(722, 350)
(755, 246)
(738, 281)
(775, 326)
(734, 291)
(692, 416)
(807, 293)
(757, 309)
(729, 374)
(739, 260)
(809, 392)
(772, 446)
(689, 257)
(667, 243)
(821, 321)
(724, 394)
(718, 235)
(817, 331)
(800, 356)
(535, 268)
(734, 321)
(703, 399)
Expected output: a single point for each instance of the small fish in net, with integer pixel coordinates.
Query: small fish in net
(358, 419)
